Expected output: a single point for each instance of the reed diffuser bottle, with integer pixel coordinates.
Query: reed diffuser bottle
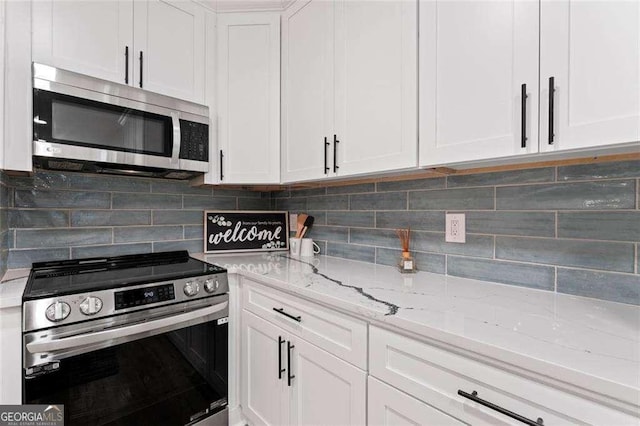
(407, 263)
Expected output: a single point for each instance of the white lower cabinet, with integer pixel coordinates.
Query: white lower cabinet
(303, 363)
(390, 407)
(436, 376)
(263, 396)
(326, 390)
(287, 380)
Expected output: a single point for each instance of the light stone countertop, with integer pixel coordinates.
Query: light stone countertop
(589, 343)
(12, 287)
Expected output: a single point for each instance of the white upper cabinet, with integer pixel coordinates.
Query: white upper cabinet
(376, 85)
(170, 36)
(158, 45)
(307, 90)
(591, 49)
(249, 97)
(477, 59)
(88, 37)
(349, 97)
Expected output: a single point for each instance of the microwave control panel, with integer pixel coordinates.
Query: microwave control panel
(194, 141)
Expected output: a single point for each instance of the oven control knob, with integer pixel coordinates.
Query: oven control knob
(91, 305)
(191, 288)
(211, 285)
(58, 311)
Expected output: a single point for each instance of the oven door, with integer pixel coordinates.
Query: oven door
(159, 366)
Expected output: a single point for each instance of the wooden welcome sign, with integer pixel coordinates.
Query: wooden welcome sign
(237, 231)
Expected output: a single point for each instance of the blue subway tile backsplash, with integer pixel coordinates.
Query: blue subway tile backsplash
(570, 229)
(544, 228)
(55, 216)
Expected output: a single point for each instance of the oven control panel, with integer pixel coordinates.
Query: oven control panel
(143, 296)
(69, 309)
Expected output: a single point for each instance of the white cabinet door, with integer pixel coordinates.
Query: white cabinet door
(249, 97)
(391, 407)
(307, 90)
(263, 371)
(475, 58)
(325, 389)
(16, 130)
(170, 35)
(376, 85)
(88, 37)
(592, 51)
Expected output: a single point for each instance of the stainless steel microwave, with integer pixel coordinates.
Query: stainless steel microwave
(81, 123)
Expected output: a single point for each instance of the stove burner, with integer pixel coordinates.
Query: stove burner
(81, 275)
(73, 291)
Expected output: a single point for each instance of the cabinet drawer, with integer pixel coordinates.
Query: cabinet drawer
(338, 334)
(390, 407)
(435, 375)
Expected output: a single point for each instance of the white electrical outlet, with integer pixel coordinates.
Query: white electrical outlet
(455, 228)
(293, 221)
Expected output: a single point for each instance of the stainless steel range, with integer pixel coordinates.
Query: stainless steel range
(128, 340)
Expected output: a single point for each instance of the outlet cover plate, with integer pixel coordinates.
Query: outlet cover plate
(455, 231)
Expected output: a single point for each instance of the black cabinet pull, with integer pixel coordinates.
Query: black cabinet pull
(289, 375)
(221, 160)
(141, 59)
(281, 311)
(326, 146)
(280, 369)
(335, 154)
(523, 130)
(126, 65)
(474, 397)
(552, 92)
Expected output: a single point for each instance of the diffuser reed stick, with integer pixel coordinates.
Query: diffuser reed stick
(405, 237)
(406, 262)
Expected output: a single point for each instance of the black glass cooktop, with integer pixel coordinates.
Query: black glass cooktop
(80, 275)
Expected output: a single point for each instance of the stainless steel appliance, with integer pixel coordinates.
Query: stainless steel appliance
(128, 340)
(81, 123)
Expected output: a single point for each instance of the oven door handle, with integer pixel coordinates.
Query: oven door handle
(170, 322)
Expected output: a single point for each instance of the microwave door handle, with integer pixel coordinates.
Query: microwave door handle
(158, 326)
(175, 152)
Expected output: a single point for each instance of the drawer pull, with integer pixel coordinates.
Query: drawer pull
(289, 354)
(126, 65)
(326, 146)
(552, 92)
(474, 397)
(281, 311)
(335, 154)
(280, 369)
(523, 118)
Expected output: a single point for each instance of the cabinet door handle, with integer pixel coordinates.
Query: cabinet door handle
(552, 92)
(474, 397)
(335, 154)
(280, 369)
(126, 65)
(282, 312)
(141, 61)
(523, 109)
(326, 146)
(221, 161)
(289, 353)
